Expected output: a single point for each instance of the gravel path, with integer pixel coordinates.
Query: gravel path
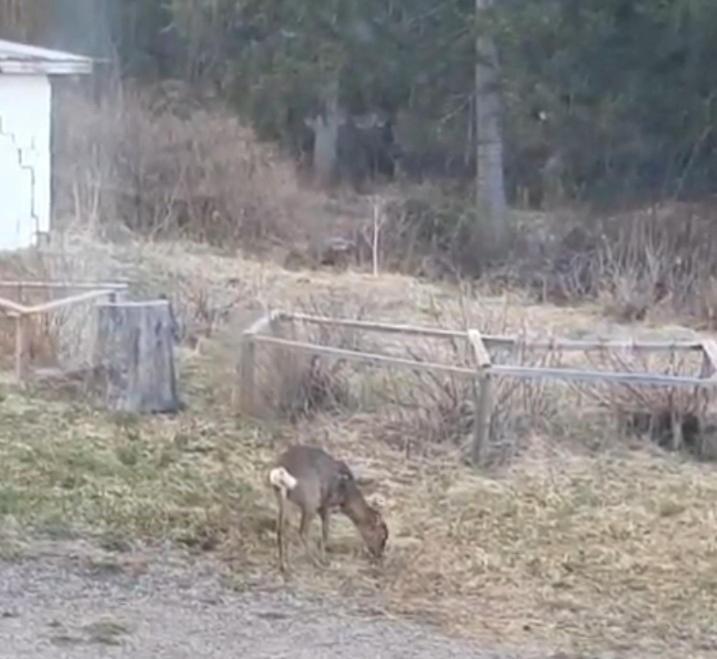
(56, 603)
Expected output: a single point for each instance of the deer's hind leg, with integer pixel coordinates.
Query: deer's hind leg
(282, 544)
(306, 518)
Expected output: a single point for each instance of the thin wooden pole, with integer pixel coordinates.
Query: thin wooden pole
(575, 375)
(74, 299)
(388, 328)
(528, 372)
(78, 285)
(11, 305)
(495, 340)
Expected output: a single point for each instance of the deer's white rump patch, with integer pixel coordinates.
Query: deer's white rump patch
(282, 480)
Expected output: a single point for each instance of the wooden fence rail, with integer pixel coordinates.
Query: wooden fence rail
(367, 357)
(492, 340)
(22, 312)
(485, 369)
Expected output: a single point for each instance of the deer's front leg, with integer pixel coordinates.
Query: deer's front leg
(323, 546)
(304, 536)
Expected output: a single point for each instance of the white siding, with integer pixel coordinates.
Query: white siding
(25, 103)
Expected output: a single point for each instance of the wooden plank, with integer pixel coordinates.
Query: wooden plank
(6, 283)
(710, 349)
(11, 305)
(369, 358)
(74, 299)
(575, 375)
(388, 328)
(479, 350)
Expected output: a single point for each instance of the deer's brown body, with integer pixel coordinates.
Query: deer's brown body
(319, 484)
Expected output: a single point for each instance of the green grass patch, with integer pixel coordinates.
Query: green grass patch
(68, 466)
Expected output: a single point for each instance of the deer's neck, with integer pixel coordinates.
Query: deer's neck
(357, 510)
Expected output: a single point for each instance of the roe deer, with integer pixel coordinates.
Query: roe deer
(319, 484)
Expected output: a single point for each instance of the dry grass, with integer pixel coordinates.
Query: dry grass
(568, 547)
(582, 553)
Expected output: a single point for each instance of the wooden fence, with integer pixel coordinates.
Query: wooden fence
(263, 331)
(74, 293)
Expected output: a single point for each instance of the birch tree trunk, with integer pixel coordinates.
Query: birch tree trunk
(490, 184)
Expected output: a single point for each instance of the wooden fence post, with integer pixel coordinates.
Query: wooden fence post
(246, 397)
(483, 398)
(21, 341)
(709, 364)
(247, 373)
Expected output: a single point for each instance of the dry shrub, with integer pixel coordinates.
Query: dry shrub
(160, 163)
(425, 412)
(416, 411)
(704, 303)
(426, 231)
(429, 413)
(62, 338)
(644, 265)
(674, 418)
(202, 308)
(295, 385)
(655, 262)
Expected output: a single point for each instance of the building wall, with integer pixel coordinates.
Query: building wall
(25, 112)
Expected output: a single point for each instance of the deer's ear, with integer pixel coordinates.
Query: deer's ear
(344, 473)
(341, 480)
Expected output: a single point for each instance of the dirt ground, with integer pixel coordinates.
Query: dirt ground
(68, 599)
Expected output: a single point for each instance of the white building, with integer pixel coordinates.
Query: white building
(25, 119)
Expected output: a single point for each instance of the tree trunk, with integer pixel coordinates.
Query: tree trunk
(490, 185)
(135, 356)
(326, 137)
